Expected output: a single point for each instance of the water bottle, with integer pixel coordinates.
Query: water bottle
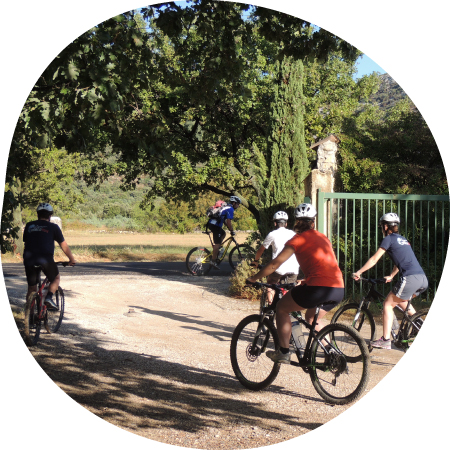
(222, 249)
(297, 333)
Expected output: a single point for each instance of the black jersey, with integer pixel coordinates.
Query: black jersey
(39, 238)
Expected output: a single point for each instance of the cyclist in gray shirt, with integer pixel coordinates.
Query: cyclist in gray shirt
(411, 283)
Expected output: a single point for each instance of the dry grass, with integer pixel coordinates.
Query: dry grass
(96, 246)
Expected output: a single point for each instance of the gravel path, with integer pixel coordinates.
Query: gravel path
(151, 356)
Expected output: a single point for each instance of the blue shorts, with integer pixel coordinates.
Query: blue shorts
(410, 285)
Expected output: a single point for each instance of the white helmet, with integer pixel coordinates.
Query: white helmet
(280, 216)
(44, 207)
(235, 199)
(390, 218)
(305, 211)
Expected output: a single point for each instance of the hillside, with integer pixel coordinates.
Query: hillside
(388, 94)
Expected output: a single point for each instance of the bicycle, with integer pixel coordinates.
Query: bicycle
(198, 259)
(37, 313)
(359, 316)
(339, 373)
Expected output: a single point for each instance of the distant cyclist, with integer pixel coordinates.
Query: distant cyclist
(39, 238)
(215, 225)
(276, 239)
(411, 283)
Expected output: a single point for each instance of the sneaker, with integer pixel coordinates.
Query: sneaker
(50, 304)
(381, 343)
(215, 265)
(278, 357)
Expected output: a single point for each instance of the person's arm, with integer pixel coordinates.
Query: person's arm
(65, 248)
(228, 224)
(258, 255)
(285, 254)
(370, 263)
(392, 275)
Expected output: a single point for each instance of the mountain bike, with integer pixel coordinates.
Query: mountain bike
(336, 357)
(198, 259)
(359, 316)
(37, 313)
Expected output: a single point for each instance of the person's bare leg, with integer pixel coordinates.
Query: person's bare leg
(285, 306)
(54, 284)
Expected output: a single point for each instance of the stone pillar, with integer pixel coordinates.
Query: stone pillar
(323, 175)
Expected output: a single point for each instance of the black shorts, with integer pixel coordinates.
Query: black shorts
(48, 265)
(311, 296)
(218, 233)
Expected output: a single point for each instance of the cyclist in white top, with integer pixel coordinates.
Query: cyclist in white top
(277, 238)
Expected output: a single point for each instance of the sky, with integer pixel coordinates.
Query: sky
(366, 66)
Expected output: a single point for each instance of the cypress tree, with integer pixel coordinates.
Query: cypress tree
(285, 164)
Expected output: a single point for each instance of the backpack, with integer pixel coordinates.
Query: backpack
(213, 212)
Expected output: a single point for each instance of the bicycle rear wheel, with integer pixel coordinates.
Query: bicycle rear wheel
(411, 330)
(363, 323)
(252, 367)
(340, 376)
(197, 261)
(32, 323)
(53, 319)
(239, 254)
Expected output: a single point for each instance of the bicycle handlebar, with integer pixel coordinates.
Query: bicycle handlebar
(373, 280)
(259, 285)
(63, 263)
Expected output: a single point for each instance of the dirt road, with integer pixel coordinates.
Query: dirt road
(151, 356)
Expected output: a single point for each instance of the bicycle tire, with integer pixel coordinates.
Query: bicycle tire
(197, 261)
(32, 323)
(240, 253)
(365, 324)
(341, 377)
(254, 370)
(54, 319)
(409, 330)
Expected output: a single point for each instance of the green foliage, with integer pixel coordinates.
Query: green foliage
(237, 283)
(391, 152)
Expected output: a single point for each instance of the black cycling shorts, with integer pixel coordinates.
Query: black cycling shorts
(310, 296)
(48, 265)
(218, 233)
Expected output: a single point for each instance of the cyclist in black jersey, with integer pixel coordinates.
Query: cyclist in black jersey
(39, 238)
(411, 283)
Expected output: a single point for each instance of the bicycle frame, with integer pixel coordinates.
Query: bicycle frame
(227, 241)
(378, 298)
(304, 361)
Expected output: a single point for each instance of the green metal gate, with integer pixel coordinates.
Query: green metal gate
(351, 223)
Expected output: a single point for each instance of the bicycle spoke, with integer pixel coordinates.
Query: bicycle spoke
(340, 376)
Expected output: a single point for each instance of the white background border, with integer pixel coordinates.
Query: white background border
(409, 40)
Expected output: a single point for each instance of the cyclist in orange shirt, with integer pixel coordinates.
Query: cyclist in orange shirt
(323, 279)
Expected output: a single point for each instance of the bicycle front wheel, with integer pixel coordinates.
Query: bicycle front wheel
(362, 322)
(239, 254)
(412, 328)
(339, 376)
(249, 342)
(197, 261)
(32, 325)
(53, 319)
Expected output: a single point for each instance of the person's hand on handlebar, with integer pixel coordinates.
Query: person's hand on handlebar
(356, 276)
(250, 281)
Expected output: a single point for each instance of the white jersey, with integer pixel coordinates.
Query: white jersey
(277, 238)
